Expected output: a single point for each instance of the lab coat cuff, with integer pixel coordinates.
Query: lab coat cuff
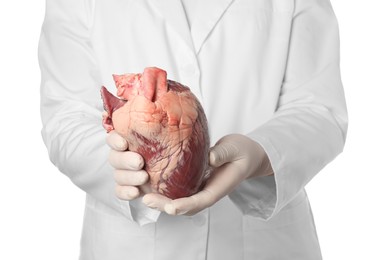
(139, 212)
(256, 197)
(259, 196)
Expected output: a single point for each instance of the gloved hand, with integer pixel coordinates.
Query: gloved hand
(131, 180)
(234, 158)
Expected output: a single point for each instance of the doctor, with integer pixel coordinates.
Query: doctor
(267, 74)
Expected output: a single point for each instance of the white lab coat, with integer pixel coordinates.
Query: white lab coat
(265, 68)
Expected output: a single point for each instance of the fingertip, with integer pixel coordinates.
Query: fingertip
(126, 160)
(133, 193)
(223, 152)
(151, 200)
(136, 161)
(146, 200)
(127, 192)
(170, 209)
(143, 177)
(156, 201)
(116, 142)
(213, 158)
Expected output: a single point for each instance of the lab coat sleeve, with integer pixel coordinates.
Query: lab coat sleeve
(71, 106)
(308, 129)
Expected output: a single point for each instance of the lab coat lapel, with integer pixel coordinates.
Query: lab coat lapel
(209, 12)
(174, 14)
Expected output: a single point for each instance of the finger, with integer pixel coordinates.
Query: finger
(222, 181)
(116, 142)
(126, 160)
(156, 201)
(190, 205)
(130, 178)
(223, 153)
(126, 192)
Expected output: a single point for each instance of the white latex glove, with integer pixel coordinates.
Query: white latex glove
(234, 158)
(130, 178)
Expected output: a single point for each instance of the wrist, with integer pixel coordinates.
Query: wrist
(264, 167)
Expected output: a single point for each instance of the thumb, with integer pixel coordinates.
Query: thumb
(223, 152)
(116, 142)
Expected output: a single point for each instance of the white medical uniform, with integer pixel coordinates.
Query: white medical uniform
(268, 69)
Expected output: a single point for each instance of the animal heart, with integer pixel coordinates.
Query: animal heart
(164, 122)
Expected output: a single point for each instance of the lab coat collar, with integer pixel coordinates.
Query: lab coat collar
(208, 14)
(173, 12)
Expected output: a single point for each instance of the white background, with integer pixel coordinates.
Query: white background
(41, 210)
